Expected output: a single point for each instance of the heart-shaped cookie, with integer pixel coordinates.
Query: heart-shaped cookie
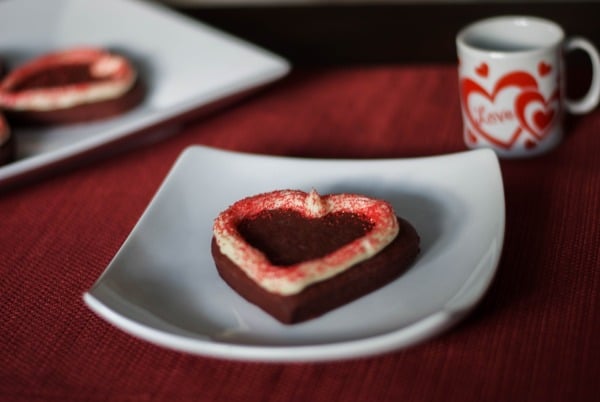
(298, 255)
(70, 79)
(295, 277)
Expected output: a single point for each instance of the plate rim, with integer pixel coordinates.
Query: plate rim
(363, 347)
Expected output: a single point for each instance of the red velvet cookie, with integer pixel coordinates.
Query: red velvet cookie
(75, 85)
(298, 255)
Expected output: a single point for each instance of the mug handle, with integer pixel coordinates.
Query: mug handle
(592, 97)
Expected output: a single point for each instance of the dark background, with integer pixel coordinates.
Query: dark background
(380, 33)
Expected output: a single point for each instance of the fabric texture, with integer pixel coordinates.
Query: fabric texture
(534, 336)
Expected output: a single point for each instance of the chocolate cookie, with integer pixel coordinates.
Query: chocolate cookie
(75, 85)
(305, 253)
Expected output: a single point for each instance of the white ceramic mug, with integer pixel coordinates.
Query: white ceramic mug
(511, 79)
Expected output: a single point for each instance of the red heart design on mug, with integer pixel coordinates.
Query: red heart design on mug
(544, 68)
(543, 118)
(530, 144)
(537, 114)
(492, 114)
(482, 70)
(472, 138)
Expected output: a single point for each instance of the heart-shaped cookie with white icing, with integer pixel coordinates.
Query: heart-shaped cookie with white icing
(73, 85)
(298, 255)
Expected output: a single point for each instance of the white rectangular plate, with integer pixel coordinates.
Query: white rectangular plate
(184, 64)
(162, 285)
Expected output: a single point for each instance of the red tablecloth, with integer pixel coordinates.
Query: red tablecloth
(535, 335)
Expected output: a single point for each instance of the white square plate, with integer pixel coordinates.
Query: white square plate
(162, 285)
(184, 64)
